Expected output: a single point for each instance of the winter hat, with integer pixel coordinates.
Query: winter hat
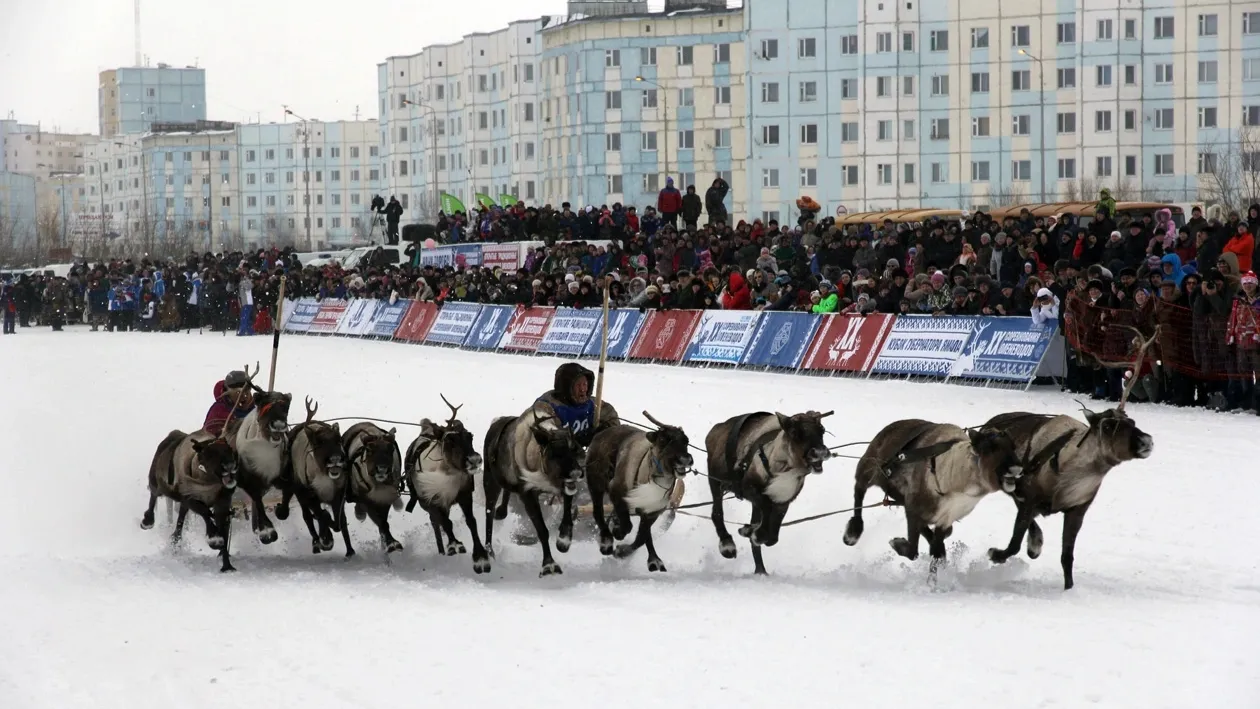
(569, 278)
(783, 279)
(938, 278)
(652, 290)
(1250, 277)
(959, 292)
(825, 285)
(1152, 262)
(573, 286)
(1044, 293)
(537, 283)
(1118, 235)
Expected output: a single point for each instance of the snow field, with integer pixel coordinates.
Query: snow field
(100, 613)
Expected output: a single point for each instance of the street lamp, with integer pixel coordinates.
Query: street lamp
(1041, 71)
(665, 113)
(306, 155)
(437, 199)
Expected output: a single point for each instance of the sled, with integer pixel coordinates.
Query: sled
(583, 517)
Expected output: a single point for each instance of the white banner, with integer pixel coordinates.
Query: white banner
(723, 336)
(358, 317)
(923, 344)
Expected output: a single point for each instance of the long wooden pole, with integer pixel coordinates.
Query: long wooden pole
(603, 358)
(275, 337)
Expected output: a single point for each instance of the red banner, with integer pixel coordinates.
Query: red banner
(848, 343)
(330, 312)
(665, 335)
(416, 322)
(526, 329)
(504, 256)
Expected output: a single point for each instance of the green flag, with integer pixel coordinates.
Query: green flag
(507, 200)
(451, 203)
(485, 201)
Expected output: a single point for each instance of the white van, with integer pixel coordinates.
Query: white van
(395, 254)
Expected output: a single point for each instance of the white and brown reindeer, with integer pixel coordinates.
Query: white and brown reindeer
(1077, 456)
(376, 478)
(317, 477)
(440, 466)
(938, 472)
(261, 443)
(763, 458)
(639, 471)
(199, 472)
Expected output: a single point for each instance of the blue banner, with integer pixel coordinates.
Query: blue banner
(925, 345)
(1006, 349)
(570, 330)
(452, 324)
(387, 318)
(782, 339)
(722, 336)
(299, 316)
(467, 255)
(489, 327)
(623, 326)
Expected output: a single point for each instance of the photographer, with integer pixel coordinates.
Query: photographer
(1045, 308)
(393, 214)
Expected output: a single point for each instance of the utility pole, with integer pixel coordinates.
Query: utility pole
(210, 192)
(306, 156)
(1041, 71)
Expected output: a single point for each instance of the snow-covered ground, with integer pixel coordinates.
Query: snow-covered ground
(99, 613)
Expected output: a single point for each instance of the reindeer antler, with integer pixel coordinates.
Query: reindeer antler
(249, 382)
(656, 423)
(1144, 343)
(310, 411)
(454, 409)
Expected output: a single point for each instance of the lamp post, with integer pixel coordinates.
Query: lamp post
(1041, 71)
(665, 113)
(306, 155)
(437, 200)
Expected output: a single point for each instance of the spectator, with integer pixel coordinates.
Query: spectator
(736, 296)
(670, 203)
(1045, 308)
(715, 201)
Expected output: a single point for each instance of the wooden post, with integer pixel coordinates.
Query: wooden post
(603, 358)
(275, 337)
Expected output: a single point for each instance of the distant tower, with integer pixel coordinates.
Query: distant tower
(138, 58)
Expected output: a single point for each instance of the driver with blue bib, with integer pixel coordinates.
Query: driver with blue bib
(569, 404)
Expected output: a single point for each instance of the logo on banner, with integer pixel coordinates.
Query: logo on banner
(666, 331)
(848, 344)
(487, 330)
(781, 339)
(966, 362)
(357, 316)
(617, 330)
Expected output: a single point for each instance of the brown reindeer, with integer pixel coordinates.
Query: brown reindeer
(440, 466)
(261, 443)
(198, 471)
(1079, 456)
(639, 471)
(763, 458)
(375, 478)
(939, 472)
(316, 475)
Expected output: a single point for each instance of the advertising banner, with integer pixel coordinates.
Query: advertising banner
(299, 314)
(438, 256)
(452, 323)
(924, 345)
(848, 343)
(387, 317)
(1007, 349)
(416, 323)
(467, 255)
(781, 339)
(504, 256)
(526, 329)
(665, 335)
(623, 328)
(357, 318)
(723, 336)
(330, 312)
(488, 328)
(570, 330)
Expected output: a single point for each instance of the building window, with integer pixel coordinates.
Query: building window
(809, 91)
(1104, 32)
(1130, 119)
(1207, 116)
(1067, 169)
(1164, 164)
(687, 97)
(1251, 116)
(1021, 170)
(686, 56)
(883, 42)
(809, 134)
(883, 86)
(687, 139)
(884, 173)
(1021, 124)
(1207, 72)
(938, 40)
(1130, 74)
(979, 82)
(848, 88)
(907, 86)
(1067, 33)
(769, 177)
(1102, 121)
(770, 135)
(940, 129)
(907, 129)
(1130, 29)
(849, 132)
(614, 184)
(251, 202)
(849, 44)
(979, 39)
(1130, 165)
(1067, 78)
(1164, 28)
(649, 98)
(907, 41)
(940, 85)
(1251, 23)
(1019, 36)
(980, 171)
(722, 95)
(1067, 123)
(1207, 163)
(612, 100)
(806, 48)
(769, 49)
(980, 127)
(647, 56)
(721, 54)
(249, 156)
(1102, 167)
(1163, 119)
(884, 130)
(1102, 75)
(1207, 25)
(722, 138)
(769, 92)
(612, 142)
(1021, 79)
(647, 141)
(809, 177)
(1163, 73)
(612, 58)
(849, 174)
(1251, 69)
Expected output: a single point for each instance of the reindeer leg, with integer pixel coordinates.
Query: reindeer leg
(340, 507)
(436, 523)
(725, 544)
(908, 546)
(223, 512)
(492, 491)
(534, 509)
(621, 518)
(645, 530)
(1072, 520)
(178, 535)
(481, 560)
(862, 483)
(597, 511)
(759, 566)
(147, 521)
(286, 494)
(263, 527)
(1023, 520)
(453, 545)
(564, 535)
(1035, 539)
(309, 519)
(213, 539)
(380, 517)
(502, 512)
(936, 547)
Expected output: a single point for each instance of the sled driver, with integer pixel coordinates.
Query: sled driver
(570, 404)
(234, 389)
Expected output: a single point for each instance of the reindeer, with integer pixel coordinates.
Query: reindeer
(639, 471)
(316, 476)
(1075, 472)
(762, 458)
(939, 472)
(262, 446)
(375, 479)
(198, 471)
(526, 458)
(440, 466)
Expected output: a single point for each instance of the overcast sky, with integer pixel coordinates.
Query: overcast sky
(318, 56)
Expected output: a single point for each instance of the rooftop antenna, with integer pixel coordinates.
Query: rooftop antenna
(137, 13)
(356, 112)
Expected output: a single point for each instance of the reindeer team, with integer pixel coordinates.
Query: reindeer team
(936, 472)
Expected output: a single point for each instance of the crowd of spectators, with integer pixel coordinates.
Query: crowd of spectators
(684, 253)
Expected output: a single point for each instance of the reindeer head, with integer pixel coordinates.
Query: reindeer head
(377, 455)
(1119, 434)
(563, 458)
(670, 447)
(803, 435)
(456, 442)
(324, 443)
(996, 454)
(273, 413)
(216, 457)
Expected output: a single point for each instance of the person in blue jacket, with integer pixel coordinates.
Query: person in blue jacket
(569, 404)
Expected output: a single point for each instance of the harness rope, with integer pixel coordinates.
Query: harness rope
(885, 503)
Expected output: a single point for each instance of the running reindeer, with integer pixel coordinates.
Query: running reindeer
(317, 476)
(763, 458)
(440, 466)
(639, 471)
(530, 458)
(1075, 472)
(199, 471)
(261, 443)
(375, 479)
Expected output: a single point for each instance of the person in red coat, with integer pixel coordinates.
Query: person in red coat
(1242, 244)
(669, 203)
(737, 296)
(233, 389)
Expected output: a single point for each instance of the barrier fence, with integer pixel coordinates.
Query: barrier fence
(1010, 350)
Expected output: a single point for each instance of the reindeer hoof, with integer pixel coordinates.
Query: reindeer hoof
(215, 543)
(481, 565)
(349, 553)
(398, 504)
(393, 546)
(455, 548)
(227, 568)
(853, 531)
(282, 512)
(147, 522)
(267, 535)
(1035, 541)
(563, 542)
(552, 569)
(902, 547)
(998, 556)
(359, 513)
(315, 548)
(623, 551)
(656, 565)
(326, 543)
(727, 547)
(606, 546)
